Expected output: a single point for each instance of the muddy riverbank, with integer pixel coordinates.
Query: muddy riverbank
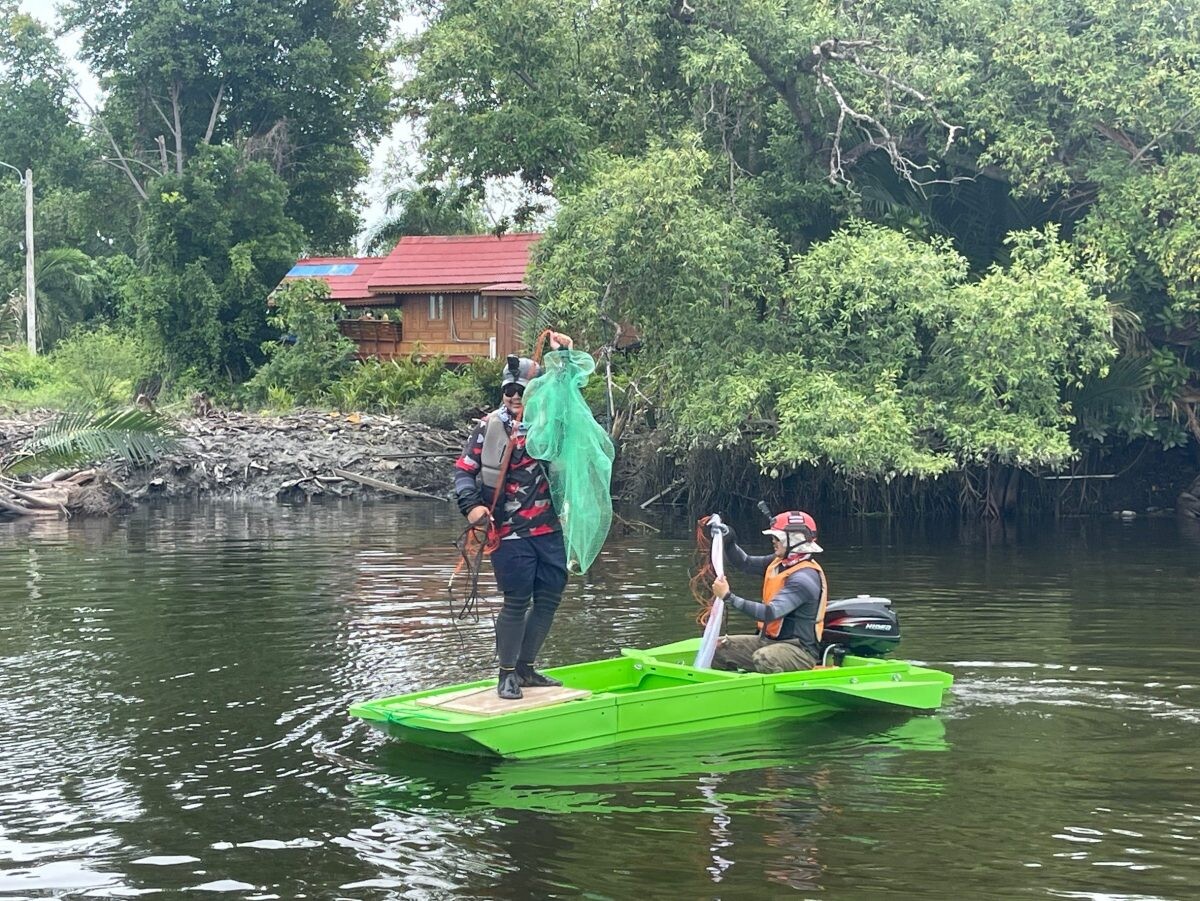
(293, 457)
(309, 455)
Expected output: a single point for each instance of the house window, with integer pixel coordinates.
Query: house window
(479, 307)
(436, 307)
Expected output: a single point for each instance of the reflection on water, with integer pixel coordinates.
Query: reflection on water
(660, 775)
(174, 685)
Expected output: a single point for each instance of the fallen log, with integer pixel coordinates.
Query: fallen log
(14, 507)
(676, 484)
(385, 486)
(46, 498)
(91, 492)
(20, 509)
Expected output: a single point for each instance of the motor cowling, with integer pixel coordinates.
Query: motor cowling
(864, 626)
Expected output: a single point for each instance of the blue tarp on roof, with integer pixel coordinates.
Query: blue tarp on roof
(303, 270)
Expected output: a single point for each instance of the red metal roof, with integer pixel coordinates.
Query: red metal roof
(347, 277)
(456, 263)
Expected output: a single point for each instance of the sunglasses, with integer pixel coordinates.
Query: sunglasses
(513, 389)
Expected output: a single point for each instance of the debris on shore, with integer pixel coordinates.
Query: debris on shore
(294, 457)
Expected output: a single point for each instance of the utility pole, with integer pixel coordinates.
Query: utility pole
(30, 282)
(30, 285)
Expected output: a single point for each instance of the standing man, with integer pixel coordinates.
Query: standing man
(530, 561)
(792, 612)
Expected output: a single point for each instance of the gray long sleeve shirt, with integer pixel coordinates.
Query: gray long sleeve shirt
(798, 601)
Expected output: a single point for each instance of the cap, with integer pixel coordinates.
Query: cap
(521, 370)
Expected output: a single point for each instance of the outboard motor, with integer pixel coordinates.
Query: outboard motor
(863, 626)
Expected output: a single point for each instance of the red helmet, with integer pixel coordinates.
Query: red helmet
(797, 530)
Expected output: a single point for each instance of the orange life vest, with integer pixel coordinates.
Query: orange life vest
(773, 580)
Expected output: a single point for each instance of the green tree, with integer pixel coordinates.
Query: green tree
(875, 354)
(1145, 229)
(315, 353)
(66, 290)
(530, 87)
(303, 86)
(798, 94)
(970, 120)
(78, 216)
(37, 125)
(216, 242)
(648, 241)
(427, 210)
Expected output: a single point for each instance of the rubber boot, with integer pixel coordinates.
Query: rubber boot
(509, 686)
(531, 678)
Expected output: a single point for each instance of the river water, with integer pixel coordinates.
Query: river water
(174, 685)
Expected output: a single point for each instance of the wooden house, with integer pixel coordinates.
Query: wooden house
(457, 292)
(455, 295)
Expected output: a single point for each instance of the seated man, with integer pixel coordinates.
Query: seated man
(794, 595)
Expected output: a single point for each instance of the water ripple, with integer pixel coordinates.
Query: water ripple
(174, 685)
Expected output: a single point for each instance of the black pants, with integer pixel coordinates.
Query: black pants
(528, 570)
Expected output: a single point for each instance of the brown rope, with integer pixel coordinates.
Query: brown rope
(703, 575)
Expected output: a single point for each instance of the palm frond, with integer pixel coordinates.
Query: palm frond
(1102, 404)
(1128, 331)
(529, 321)
(66, 282)
(133, 435)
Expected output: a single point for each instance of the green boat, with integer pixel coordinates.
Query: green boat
(643, 694)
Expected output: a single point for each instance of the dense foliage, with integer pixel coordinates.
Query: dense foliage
(301, 85)
(228, 140)
(889, 238)
(217, 241)
(308, 352)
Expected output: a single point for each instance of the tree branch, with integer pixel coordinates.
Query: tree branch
(123, 163)
(785, 84)
(878, 135)
(178, 127)
(158, 109)
(527, 79)
(1119, 138)
(212, 117)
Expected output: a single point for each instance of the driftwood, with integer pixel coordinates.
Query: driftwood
(63, 494)
(385, 486)
(290, 457)
(21, 510)
(633, 526)
(678, 483)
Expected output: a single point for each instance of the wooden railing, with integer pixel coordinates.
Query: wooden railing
(385, 340)
(375, 337)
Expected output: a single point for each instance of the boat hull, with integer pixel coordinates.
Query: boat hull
(645, 694)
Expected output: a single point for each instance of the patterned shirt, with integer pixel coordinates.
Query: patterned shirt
(525, 509)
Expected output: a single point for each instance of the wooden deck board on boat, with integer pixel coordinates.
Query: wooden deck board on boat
(485, 701)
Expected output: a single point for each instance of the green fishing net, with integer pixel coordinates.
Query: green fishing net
(562, 432)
